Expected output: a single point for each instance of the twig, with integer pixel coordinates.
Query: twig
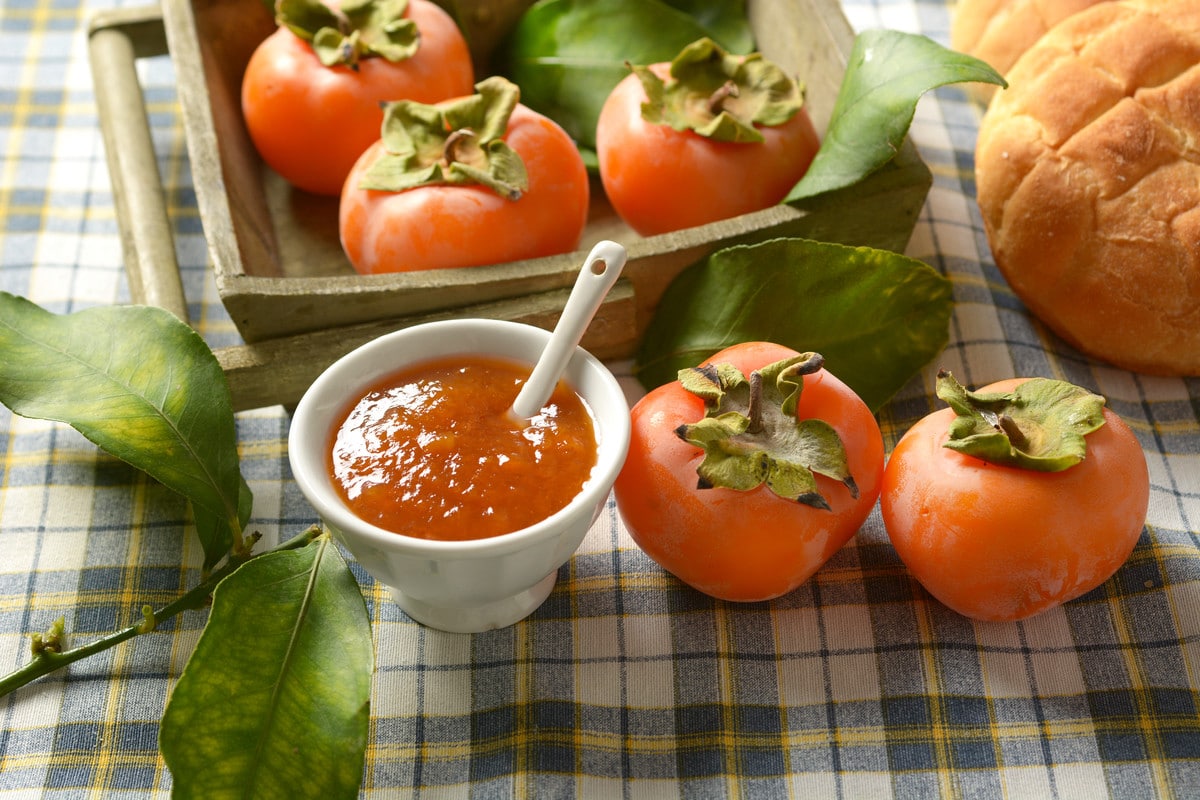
(48, 655)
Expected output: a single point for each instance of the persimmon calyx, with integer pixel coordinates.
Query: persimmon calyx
(357, 29)
(458, 142)
(718, 95)
(1040, 425)
(751, 436)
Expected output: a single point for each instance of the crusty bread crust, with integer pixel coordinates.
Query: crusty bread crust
(1000, 31)
(1088, 180)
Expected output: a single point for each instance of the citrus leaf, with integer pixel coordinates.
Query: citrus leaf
(213, 530)
(141, 385)
(275, 699)
(876, 316)
(726, 21)
(879, 211)
(886, 75)
(567, 55)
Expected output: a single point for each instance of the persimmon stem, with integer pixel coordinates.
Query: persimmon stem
(1012, 430)
(343, 21)
(754, 407)
(48, 654)
(453, 143)
(349, 47)
(716, 101)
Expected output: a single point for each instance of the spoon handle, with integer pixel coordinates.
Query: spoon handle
(599, 272)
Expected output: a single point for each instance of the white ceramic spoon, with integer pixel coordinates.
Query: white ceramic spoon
(597, 276)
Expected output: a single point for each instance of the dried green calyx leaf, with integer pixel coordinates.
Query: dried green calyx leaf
(1039, 425)
(458, 142)
(750, 434)
(718, 95)
(355, 30)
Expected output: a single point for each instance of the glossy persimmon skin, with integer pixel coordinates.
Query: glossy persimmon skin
(734, 545)
(659, 179)
(310, 123)
(997, 543)
(443, 226)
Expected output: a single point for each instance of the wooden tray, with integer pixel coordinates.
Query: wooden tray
(278, 265)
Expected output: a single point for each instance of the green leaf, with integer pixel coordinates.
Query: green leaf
(886, 75)
(382, 28)
(275, 699)
(52, 641)
(212, 529)
(725, 21)
(877, 317)
(1040, 425)
(141, 385)
(879, 211)
(567, 55)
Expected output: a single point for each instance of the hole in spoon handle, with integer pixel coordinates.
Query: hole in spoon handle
(599, 272)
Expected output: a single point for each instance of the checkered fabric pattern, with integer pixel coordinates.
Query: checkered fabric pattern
(625, 683)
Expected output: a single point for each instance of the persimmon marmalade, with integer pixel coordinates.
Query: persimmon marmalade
(432, 452)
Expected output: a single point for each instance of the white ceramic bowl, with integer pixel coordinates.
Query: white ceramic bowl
(460, 586)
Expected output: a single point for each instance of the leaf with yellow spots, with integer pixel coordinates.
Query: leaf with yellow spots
(275, 700)
(141, 385)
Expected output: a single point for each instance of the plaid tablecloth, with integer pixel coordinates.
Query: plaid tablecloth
(625, 683)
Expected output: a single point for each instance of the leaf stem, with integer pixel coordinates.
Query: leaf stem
(47, 660)
(242, 546)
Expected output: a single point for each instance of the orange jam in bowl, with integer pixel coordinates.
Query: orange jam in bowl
(432, 452)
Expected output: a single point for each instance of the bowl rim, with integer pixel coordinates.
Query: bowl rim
(316, 409)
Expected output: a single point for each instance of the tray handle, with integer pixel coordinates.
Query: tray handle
(116, 39)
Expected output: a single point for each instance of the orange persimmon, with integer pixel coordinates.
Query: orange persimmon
(470, 181)
(707, 137)
(1004, 541)
(312, 91)
(807, 471)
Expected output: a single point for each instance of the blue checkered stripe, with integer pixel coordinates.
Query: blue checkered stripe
(625, 682)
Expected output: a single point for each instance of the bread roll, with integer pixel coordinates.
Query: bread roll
(999, 31)
(1088, 180)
